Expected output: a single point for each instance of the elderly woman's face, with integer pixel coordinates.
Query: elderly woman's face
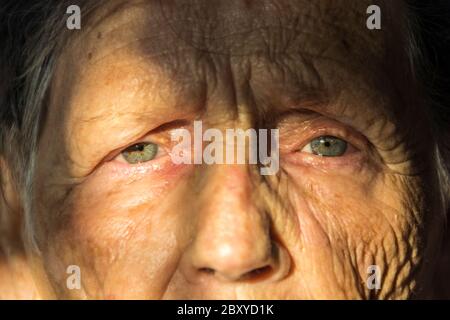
(355, 186)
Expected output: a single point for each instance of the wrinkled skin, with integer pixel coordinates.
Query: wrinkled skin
(159, 230)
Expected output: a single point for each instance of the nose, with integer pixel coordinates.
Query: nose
(233, 239)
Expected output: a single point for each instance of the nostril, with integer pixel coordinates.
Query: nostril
(257, 274)
(209, 271)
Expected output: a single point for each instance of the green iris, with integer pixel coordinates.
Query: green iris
(328, 146)
(140, 152)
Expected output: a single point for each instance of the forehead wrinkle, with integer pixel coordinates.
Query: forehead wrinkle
(103, 40)
(299, 81)
(107, 16)
(156, 48)
(128, 46)
(195, 30)
(313, 55)
(296, 20)
(144, 105)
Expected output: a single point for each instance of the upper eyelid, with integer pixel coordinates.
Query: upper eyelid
(160, 146)
(324, 124)
(312, 115)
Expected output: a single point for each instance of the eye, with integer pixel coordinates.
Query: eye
(326, 146)
(140, 152)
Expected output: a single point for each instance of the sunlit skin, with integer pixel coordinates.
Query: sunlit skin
(157, 230)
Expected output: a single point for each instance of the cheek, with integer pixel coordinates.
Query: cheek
(349, 222)
(113, 229)
(339, 203)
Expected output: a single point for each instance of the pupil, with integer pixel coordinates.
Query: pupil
(139, 147)
(327, 144)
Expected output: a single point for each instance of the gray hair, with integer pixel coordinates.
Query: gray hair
(429, 47)
(33, 35)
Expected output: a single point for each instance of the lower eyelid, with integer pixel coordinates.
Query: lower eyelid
(353, 160)
(158, 164)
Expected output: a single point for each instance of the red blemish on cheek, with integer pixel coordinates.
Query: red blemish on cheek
(162, 168)
(120, 186)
